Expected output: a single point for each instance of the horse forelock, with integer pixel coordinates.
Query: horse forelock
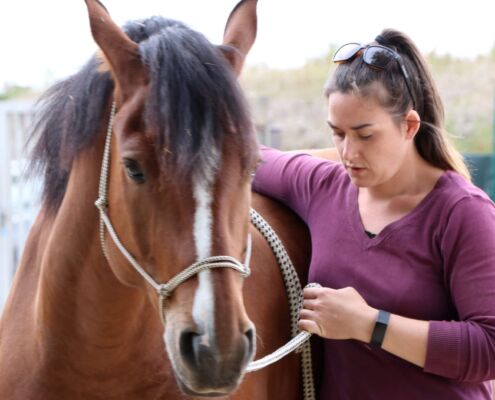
(194, 100)
(194, 103)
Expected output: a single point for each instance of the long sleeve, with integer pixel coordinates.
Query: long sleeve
(292, 178)
(464, 350)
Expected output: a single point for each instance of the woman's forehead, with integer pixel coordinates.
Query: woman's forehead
(350, 109)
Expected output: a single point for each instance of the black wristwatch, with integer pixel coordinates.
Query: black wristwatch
(380, 329)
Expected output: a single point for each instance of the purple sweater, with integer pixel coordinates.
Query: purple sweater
(437, 264)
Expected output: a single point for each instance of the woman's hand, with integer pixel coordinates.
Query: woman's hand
(344, 314)
(337, 314)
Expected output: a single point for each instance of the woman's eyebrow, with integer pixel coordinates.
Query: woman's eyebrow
(354, 128)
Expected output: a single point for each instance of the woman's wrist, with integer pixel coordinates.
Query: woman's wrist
(380, 329)
(365, 330)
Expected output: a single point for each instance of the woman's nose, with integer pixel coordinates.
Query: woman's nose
(349, 149)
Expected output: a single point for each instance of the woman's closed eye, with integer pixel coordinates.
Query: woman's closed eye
(338, 134)
(341, 135)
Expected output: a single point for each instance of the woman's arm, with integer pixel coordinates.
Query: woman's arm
(290, 177)
(407, 338)
(330, 153)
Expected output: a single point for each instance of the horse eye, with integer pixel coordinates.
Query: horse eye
(134, 170)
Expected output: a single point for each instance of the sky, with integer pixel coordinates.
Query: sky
(42, 41)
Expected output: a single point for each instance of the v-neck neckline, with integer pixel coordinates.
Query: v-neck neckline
(357, 223)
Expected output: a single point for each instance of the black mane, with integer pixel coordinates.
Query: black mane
(194, 101)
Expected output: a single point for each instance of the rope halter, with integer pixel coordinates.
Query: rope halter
(164, 290)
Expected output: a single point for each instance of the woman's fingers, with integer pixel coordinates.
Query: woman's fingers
(307, 314)
(309, 326)
(312, 292)
(315, 292)
(308, 322)
(310, 304)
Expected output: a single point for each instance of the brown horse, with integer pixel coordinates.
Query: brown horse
(82, 323)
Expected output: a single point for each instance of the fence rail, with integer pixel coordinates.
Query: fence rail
(18, 194)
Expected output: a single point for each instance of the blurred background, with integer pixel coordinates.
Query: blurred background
(44, 42)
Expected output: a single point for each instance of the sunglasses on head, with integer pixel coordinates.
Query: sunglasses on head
(375, 56)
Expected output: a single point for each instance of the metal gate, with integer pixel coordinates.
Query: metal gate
(19, 196)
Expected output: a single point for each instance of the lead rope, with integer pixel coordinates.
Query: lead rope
(295, 296)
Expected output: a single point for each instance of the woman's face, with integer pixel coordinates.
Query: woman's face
(372, 147)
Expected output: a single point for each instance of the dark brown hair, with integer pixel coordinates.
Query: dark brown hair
(431, 141)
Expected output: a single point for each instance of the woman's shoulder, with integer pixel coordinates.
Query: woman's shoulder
(465, 224)
(458, 199)
(454, 188)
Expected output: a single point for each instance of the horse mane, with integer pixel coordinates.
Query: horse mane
(194, 101)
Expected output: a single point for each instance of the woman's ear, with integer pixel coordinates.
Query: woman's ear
(413, 123)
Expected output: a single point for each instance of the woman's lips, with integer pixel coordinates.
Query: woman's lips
(356, 170)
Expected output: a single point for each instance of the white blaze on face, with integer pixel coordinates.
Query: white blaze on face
(204, 300)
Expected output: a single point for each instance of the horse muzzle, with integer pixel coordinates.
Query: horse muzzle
(202, 369)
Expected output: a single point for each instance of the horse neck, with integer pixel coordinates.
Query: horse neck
(79, 297)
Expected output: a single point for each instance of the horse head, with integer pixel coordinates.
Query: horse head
(179, 176)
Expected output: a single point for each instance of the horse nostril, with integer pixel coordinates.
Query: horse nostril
(196, 349)
(187, 341)
(249, 334)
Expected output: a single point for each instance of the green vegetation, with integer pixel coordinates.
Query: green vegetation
(15, 92)
(292, 100)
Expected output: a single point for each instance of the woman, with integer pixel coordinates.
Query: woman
(403, 243)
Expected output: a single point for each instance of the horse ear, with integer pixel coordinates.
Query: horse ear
(240, 33)
(120, 51)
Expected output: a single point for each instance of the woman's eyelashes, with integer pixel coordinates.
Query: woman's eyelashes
(341, 135)
(338, 135)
